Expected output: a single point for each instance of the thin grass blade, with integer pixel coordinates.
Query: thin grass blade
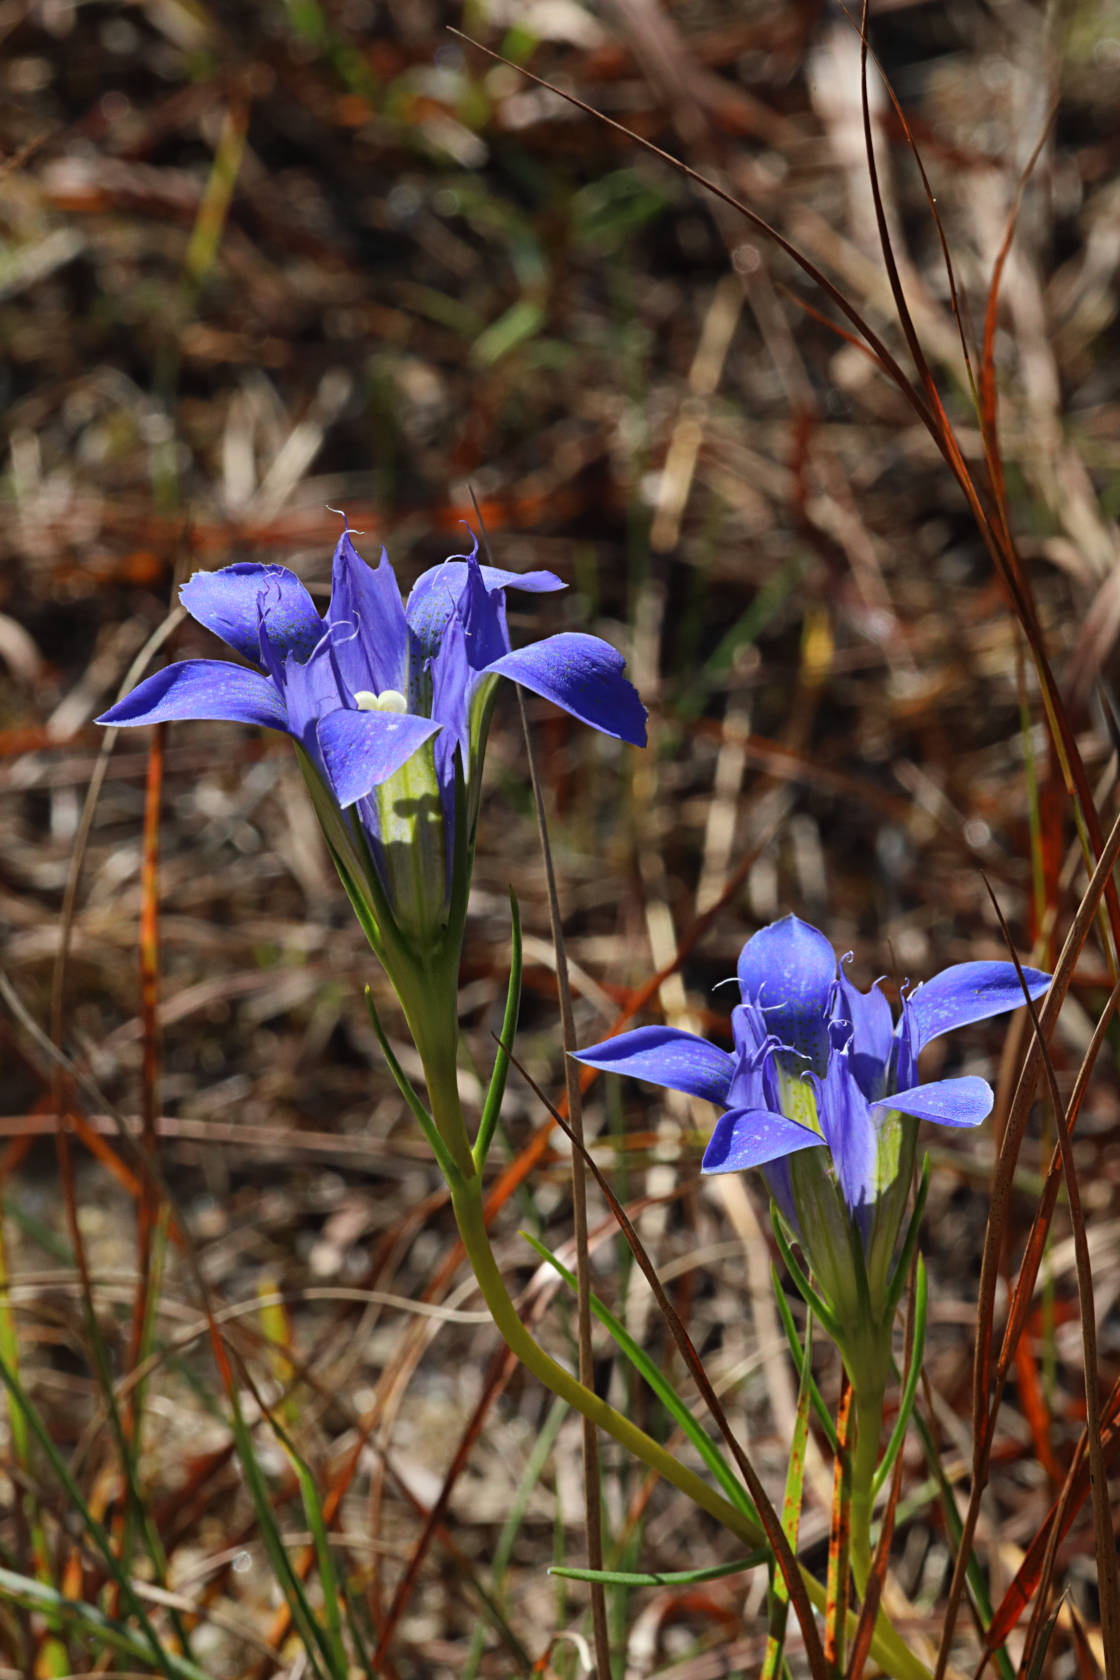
(493, 1104)
(913, 1377)
(659, 1383)
(792, 1499)
(669, 1578)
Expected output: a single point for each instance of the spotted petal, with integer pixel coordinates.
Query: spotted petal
(847, 1125)
(361, 750)
(584, 676)
(950, 1102)
(230, 603)
(789, 970)
(201, 688)
(970, 991)
(442, 591)
(872, 1029)
(749, 1137)
(666, 1056)
(369, 636)
(437, 592)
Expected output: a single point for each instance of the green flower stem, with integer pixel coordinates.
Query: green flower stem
(865, 1462)
(888, 1648)
(467, 1202)
(428, 995)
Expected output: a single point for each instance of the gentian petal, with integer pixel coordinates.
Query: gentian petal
(749, 1027)
(309, 686)
(665, 1056)
(753, 1084)
(370, 639)
(789, 970)
(451, 681)
(483, 611)
(872, 1030)
(950, 1102)
(460, 586)
(970, 991)
(749, 1137)
(362, 749)
(463, 588)
(533, 583)
(438, 591)
(849, 1130)
(584, 676)
(201, 688)
(229, 603)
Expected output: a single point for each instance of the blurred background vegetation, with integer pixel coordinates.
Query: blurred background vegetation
(262, 261)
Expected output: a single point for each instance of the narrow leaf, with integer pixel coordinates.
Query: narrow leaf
(661, 1386)
(671, 1578)
(404, 1085)
(493, 1105)
(913, 1375)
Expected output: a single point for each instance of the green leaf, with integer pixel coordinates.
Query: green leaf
(804, 1288)
(521, 321)
(493, 1105)
(672, 1578)
(404, 1085)
(315, 1641)
(663, 1389)
(791, 1510)
(89, 1623)
(913, 1375)
(902, 1267)
(824, 1416)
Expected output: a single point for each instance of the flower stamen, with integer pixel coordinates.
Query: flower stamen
(389, 700)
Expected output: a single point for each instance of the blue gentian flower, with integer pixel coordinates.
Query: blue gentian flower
(819, 1066)
(388, 702)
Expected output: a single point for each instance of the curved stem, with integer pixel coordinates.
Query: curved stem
(888, 1648)
(467, 1203)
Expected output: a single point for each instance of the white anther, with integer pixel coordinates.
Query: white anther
(389, 700)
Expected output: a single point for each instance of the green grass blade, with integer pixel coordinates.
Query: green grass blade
(663, 1389)
(328, 1580)
(90, 1623)
(824, 1417)
(303, 1616)
(670, 1578)
(404, 1085)
(791, 1513)
(1038, 1660)
(805, 1289)
(52, 1657)
(147, 1343)
(503, 1551)
(94, 1529)
(910, 1388)
(493, 1105)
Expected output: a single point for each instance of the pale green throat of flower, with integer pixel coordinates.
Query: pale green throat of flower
(389, 700)
(411, 830)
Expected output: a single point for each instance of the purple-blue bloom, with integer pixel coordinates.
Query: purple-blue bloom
(383, 696)
(820, 1065)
